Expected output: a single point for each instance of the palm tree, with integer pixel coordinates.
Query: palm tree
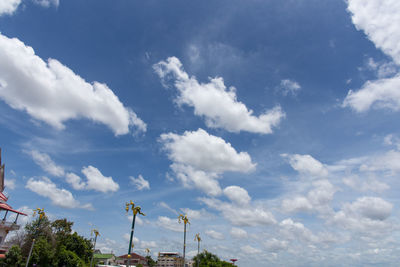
(96, 233)
(198, 239)
(185, 221)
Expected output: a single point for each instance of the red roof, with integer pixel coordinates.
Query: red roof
(3, 197)
(5, 206)
(133, 256)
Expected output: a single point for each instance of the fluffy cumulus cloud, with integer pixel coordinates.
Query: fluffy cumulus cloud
(241, 215)
(199, 159)
(318, 199)
(9, 6)
(140, 183)
(75, 181)
(215, 235)
(367, 215)
(289, 87)
(59, 197)
(237, 194)
(53, 93)
(97, 181)
(238, 233)
(217, 104)
(307, 165)
(379, 20)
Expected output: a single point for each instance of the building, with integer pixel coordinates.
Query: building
(135, 259)
(169, 259)
(6, 225)
(105, 259)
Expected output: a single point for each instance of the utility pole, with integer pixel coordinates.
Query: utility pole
(42, 214)
(135, 211)
(185, 221)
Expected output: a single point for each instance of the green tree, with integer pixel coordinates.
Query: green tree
(37, 229)
(55, 244)
(207, 259)
(68, 258)
(42, 253)
(13, 258)
(150, 261)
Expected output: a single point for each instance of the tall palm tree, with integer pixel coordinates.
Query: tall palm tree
(198, 239)
(185, 220)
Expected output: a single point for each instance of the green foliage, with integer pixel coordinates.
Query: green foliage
(68, 258)
(43, 253)
(150, 261)
(139, 265)
(207, 259)
(13, 258)
(55, 244)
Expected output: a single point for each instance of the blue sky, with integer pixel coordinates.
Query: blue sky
(271, 124)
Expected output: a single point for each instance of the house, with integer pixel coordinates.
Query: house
(134, 259)
(104, 259)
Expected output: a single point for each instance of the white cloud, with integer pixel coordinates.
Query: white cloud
(170, 224)
(306, 164)
(75, 181)
(382, 93)
(289, 87)
(250, 215)
(46, 163)
(237, 194)
(191, 177)
(140, 183)
(250, 250)
(215, 103)
(199, 158)
(53, 93)
(317, 199)
(379, 20)
(205, 152)
(167, 207)
(295, 230)
(276, 245)
(365, 185)
(196, 214)
(238, 233)
(388, 161)
(297, 204)
(373, 208)
(47, 3)
(9, 6)
(367, 215)
(97, 181)
(215, 235)
(10, 183)
(59, 197)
